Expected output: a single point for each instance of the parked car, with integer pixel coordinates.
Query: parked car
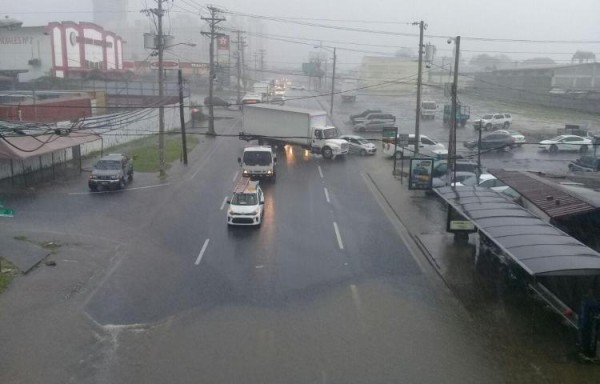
(360, 145)
(440, 181)
(440, 167)
(216, 101)
(493, 121)
(518, 136)
(278, 100)
(363, 114)
(566, 143)
(112, 171)
(585, 164)
(251, 98)
(374, 125)
(486, 180)
(388, 117)
(427, 147)
(500, 140)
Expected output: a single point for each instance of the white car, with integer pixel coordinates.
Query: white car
(486, 180)
(493, 121)
(426, 147)
(360, 145)
(247, 204)
(566, 143)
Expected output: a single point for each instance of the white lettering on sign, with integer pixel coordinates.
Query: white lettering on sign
(16, 39)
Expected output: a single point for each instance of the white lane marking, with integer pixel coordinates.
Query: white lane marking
(121, 190)
(199, 259)
(259, 266)
(236, 176)
(327, 195)
(224, 202)
(320, 171)
(337, 234)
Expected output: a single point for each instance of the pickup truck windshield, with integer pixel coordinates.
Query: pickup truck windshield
(257, 158)
(108, 164)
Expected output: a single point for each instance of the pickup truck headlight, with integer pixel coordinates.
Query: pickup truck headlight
(115, 177)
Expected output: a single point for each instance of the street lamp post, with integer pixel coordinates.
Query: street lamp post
(332, 77)
(451, 175)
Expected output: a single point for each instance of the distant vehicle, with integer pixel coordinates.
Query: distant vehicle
(427, 147)
(571, 143)
(380, 116)
(493, 121)
(428, 109)
(277, 100)
(374, 125)
(251, 98)
(518, 136)
(216, 101)
(585, 164)
(112, 171)
(258, 162)
(247, 204)
(349, 88)
(196, 113)
(440, 167)
(499, 141)
(360, 145)
(263, 90)
(463, 114)
(274, 124)
(298, 87)
(363, 114)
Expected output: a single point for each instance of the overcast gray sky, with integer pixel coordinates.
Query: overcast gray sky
(575, 20)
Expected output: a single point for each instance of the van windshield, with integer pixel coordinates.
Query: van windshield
(257, 158)
(428, 105)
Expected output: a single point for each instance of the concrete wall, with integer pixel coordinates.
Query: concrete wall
(123, 128)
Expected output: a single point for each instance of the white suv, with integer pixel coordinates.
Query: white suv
(246, 206)
(493, 121)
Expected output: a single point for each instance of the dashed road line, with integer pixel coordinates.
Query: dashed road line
(235, 177)
(223, 204)
(320, 171)
(199, 259)
(326, 195)
(121, 190)
(337, 234)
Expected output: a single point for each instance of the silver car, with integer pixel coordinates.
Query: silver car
(359, 145)
(374, 125)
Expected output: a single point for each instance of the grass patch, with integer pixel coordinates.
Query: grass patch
(7, 273)
(145, 151)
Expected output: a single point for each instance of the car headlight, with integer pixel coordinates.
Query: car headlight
(269, 172)
(245, 172)
(114, 177)
(93, 177)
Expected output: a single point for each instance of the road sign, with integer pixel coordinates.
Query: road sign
(390, 132)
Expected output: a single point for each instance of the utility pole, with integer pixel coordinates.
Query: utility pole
(422, 27)
(240, 44)
(332, 84)
(213, 20)
(160, 45)
(182, 117)
(452, 135)
(262, 53)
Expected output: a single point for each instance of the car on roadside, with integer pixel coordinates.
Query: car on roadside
(363, 114)
(374, 125)
(498, 141)
(111, 172)
(486, 180)
(457, 178)
(251, 98)
(359, 145)
(571, 143)
(247, 204)
(379, 116)
(518, 136)
(585, 164)
(216, 101)
(493, 121)
(277, 99)
(440, 167)
(427, 147)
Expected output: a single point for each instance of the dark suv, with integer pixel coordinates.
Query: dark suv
(585, 164)
(363, 114)
(112, 171)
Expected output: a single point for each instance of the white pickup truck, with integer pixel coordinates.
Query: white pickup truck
(493, 121)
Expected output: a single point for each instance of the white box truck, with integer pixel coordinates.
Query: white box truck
(258, 162)
(280, 125)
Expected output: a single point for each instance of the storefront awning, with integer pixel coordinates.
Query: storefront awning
(23, 147)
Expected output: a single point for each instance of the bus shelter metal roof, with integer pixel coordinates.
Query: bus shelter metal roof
(537, 246)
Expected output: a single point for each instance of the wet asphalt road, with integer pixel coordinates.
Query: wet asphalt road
(325, 291)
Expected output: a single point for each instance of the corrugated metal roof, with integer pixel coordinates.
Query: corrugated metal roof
(538, 247)
(554, 201)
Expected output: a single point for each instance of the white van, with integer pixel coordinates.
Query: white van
(428, 109)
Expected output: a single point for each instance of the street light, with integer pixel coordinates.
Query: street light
(332, 78)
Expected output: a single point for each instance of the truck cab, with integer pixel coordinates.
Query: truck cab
(258, 162)
(327, 143)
